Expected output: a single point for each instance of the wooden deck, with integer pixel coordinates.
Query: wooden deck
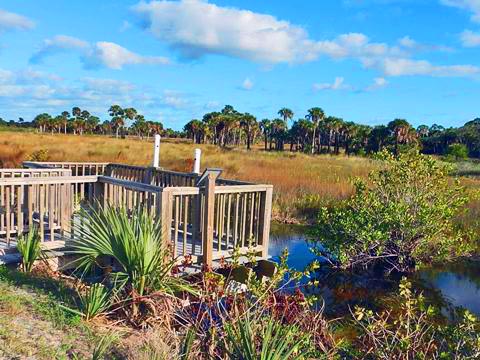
(204, 221)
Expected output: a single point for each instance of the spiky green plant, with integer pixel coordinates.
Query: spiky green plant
(95, 301)
(134, 241)
(187, 344)
(28, 246)
(105, 343)
(265, 339)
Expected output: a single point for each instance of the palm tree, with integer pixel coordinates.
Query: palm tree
(265, 126)
(286, 114)
(117, 114)
(140, 126)
(279, 132)
(65, 115)
(41, 121)
(130, 113)
(315, 115)
(92, 123)
(76, 113)
(250, 125)
(402, 132)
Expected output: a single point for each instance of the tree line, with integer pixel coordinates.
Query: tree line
(317, 133)
(314, 133)
(80, 121)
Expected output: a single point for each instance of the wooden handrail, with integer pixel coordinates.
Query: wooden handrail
(133, 185)
(205, 222)
(49, 180)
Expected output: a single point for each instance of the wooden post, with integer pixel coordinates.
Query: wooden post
(208, 220)
(196, 164)
(265, 217)
(156, 151)
(164, 213)
(98, 193)
(148, 175)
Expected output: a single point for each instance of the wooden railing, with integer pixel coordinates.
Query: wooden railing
(22, 173)
(45, 202)
(204, 222)
(150, 175)
(211, 220)
(77, 168)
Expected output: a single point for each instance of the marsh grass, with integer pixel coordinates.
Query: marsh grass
(302, 183)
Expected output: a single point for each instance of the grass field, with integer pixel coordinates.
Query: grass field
(301, 182)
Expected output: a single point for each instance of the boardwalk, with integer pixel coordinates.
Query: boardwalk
(203, 220)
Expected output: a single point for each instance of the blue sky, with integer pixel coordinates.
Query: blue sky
(367, 61)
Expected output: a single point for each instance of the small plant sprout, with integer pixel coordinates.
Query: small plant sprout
(29, 248)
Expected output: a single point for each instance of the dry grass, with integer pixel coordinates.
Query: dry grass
(301, 182)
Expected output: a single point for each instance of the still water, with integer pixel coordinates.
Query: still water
(450, 285)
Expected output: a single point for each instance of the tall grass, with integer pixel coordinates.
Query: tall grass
(301, 182)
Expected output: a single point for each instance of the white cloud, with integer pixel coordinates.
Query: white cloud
(378, 83)
(115, 56)
(211, 105)
(173, 99)
(195, 28)
(354, 45)
(57, 44)
(12, 21)
(470, 38)
(338, 84)
(408, 67)
(247, 84)
(107, 86)
(102, 53)
(472, 6)
(410, 44)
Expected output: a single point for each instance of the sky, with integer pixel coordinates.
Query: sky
(367, 61)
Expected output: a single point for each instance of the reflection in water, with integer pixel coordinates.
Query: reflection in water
(455, 284)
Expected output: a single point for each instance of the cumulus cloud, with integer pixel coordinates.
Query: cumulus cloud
(470, 38)
(338, 84)
(109, 86)
(247, 84)
(101, 53)
(409, 67)
(58, 44)
(173, 99)
(22, 93)
(408, 43)
(472, 6)
(196, 28)
(12, 21)
(116, 57)
(378, 83)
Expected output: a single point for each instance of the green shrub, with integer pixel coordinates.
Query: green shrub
(457, 152)
(29, 248)
(411, 330)
(134, 241)
(401, 216)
